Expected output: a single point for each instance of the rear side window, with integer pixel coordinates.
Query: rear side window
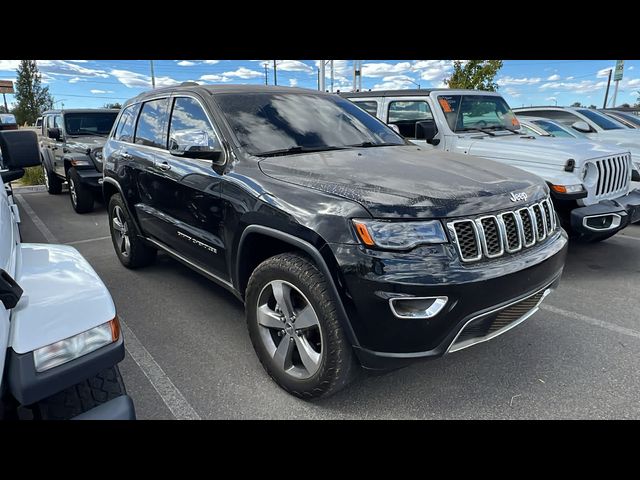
(152, 124)
(127, 124)
(601, 120)
(564, 117)
(406, 114)
(57, 122)
(370, 106)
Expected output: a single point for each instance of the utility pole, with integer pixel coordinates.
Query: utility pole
(321, 81)
(606, 95)
(266, 74)
(355, 74)
(275, 74)
(617, 77)
(331, 76)
(6, 109)
(153, 76)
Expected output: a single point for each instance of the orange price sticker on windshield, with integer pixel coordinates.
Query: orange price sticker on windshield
(515, 122)
(445, 105)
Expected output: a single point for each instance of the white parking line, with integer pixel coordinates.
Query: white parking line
(50, 237)
(593, 321)
(171, 396)
(77, 242)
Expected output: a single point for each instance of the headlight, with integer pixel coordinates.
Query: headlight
(97, 154)
(577, 188)
(399, 235)
(74, 347)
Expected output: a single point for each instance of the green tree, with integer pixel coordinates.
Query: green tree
(31, 97)
(625, 105)
(592, 106)
(117, 105)
(576, 104)
(474, 74)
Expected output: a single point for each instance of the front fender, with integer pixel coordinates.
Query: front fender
(63, 296)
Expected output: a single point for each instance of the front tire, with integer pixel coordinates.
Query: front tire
(82, 397)
(51, 181)
(294, 327)
(131, 250)
(81, 197)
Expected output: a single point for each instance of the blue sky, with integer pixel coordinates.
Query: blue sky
(92, 83)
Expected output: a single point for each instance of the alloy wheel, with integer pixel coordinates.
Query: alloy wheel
(121, 231)
(72, 191)
(289, 329)
(46, 177)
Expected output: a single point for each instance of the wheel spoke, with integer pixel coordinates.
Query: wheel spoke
(310, 358)
(282, 292)
(118, 213)
(127, 244)
(306, 318)
(268, 318)
(282, 355)
(117, 225)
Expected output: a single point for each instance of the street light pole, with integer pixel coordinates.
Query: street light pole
(153, 76)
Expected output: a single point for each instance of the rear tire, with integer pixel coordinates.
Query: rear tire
(81, 197)
(130, 249)
(52, 183)
(310, 355)
(82, 397)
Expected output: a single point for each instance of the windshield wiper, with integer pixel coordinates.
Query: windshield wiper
(296, 149)
(476, 129)
(502, 127)
(371, 144)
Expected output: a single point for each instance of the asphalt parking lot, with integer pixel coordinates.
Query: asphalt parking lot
(189, 354)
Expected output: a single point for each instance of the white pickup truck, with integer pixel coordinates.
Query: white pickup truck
(590, 182)
(60, 338)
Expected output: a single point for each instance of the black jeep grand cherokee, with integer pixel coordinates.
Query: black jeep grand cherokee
(346, 243)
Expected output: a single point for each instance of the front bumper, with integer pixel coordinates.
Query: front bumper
(607, 216)
(371, 278)
(90, 178)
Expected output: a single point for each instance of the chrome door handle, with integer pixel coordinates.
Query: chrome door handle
(164, 166)
(126, 156)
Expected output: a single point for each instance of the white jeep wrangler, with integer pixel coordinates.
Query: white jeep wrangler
(590, 182)
(60, 338)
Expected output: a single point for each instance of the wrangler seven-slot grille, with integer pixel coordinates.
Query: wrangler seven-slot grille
(492, 236)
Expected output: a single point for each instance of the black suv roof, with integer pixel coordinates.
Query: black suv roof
(403, 93)
(80, 110)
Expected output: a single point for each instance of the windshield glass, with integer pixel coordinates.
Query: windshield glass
(558, 130)
(601, 120)
(268, 122)
(89, 123)
(630, 117)
(7, 118)
(468, 112)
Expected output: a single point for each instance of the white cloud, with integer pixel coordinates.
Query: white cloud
(186, 63)
(554, 78)
(242, 72)
(551, 99)
(433, 69)
(211, 62)
(604, 73)
(78, 61)
(630, 68)
(99, 92)
(215, 78)
(61, 67)
(133, 79)
(384, 69)
(395, 82)
(76, 80)
(569, 78)
(584, 86)
(294, 66)
(505, 81)
(512, 91)
(9, 65)
(293, 82)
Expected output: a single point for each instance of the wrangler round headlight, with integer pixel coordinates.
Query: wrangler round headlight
(97, 154)
(74, 347)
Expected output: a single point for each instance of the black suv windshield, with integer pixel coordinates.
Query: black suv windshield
(474, 112)
(601, 120)
(267, 123)
(89, 123)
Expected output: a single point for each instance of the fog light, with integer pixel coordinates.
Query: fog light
(607, 221)
(417, 307)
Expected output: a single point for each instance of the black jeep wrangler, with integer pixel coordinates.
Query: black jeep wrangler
(71, 144)
(348, 245)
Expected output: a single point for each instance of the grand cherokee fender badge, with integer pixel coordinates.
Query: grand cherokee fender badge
(518, 197)
(197, 242)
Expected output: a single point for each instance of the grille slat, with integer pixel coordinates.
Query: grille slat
(492, 236)
(613, 176)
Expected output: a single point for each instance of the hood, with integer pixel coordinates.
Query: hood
(542, 150)
(407, 181)
(86, 142)
(626, 138)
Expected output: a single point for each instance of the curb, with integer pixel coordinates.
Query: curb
(30, 189)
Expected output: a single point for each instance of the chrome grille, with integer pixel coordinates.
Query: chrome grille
(614, 175)
(492, 235)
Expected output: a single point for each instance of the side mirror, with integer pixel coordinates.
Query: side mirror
(54, 133)
(581, 126)
(10, 291)
(427, 130)
(194, 143)
(19, 149)
(395, 128)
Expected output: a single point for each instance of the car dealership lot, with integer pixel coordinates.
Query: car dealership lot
(189, 354)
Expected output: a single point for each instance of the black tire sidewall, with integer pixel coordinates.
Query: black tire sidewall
(114, 201)
(84, 203)
(140, 254)
(55, 184)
